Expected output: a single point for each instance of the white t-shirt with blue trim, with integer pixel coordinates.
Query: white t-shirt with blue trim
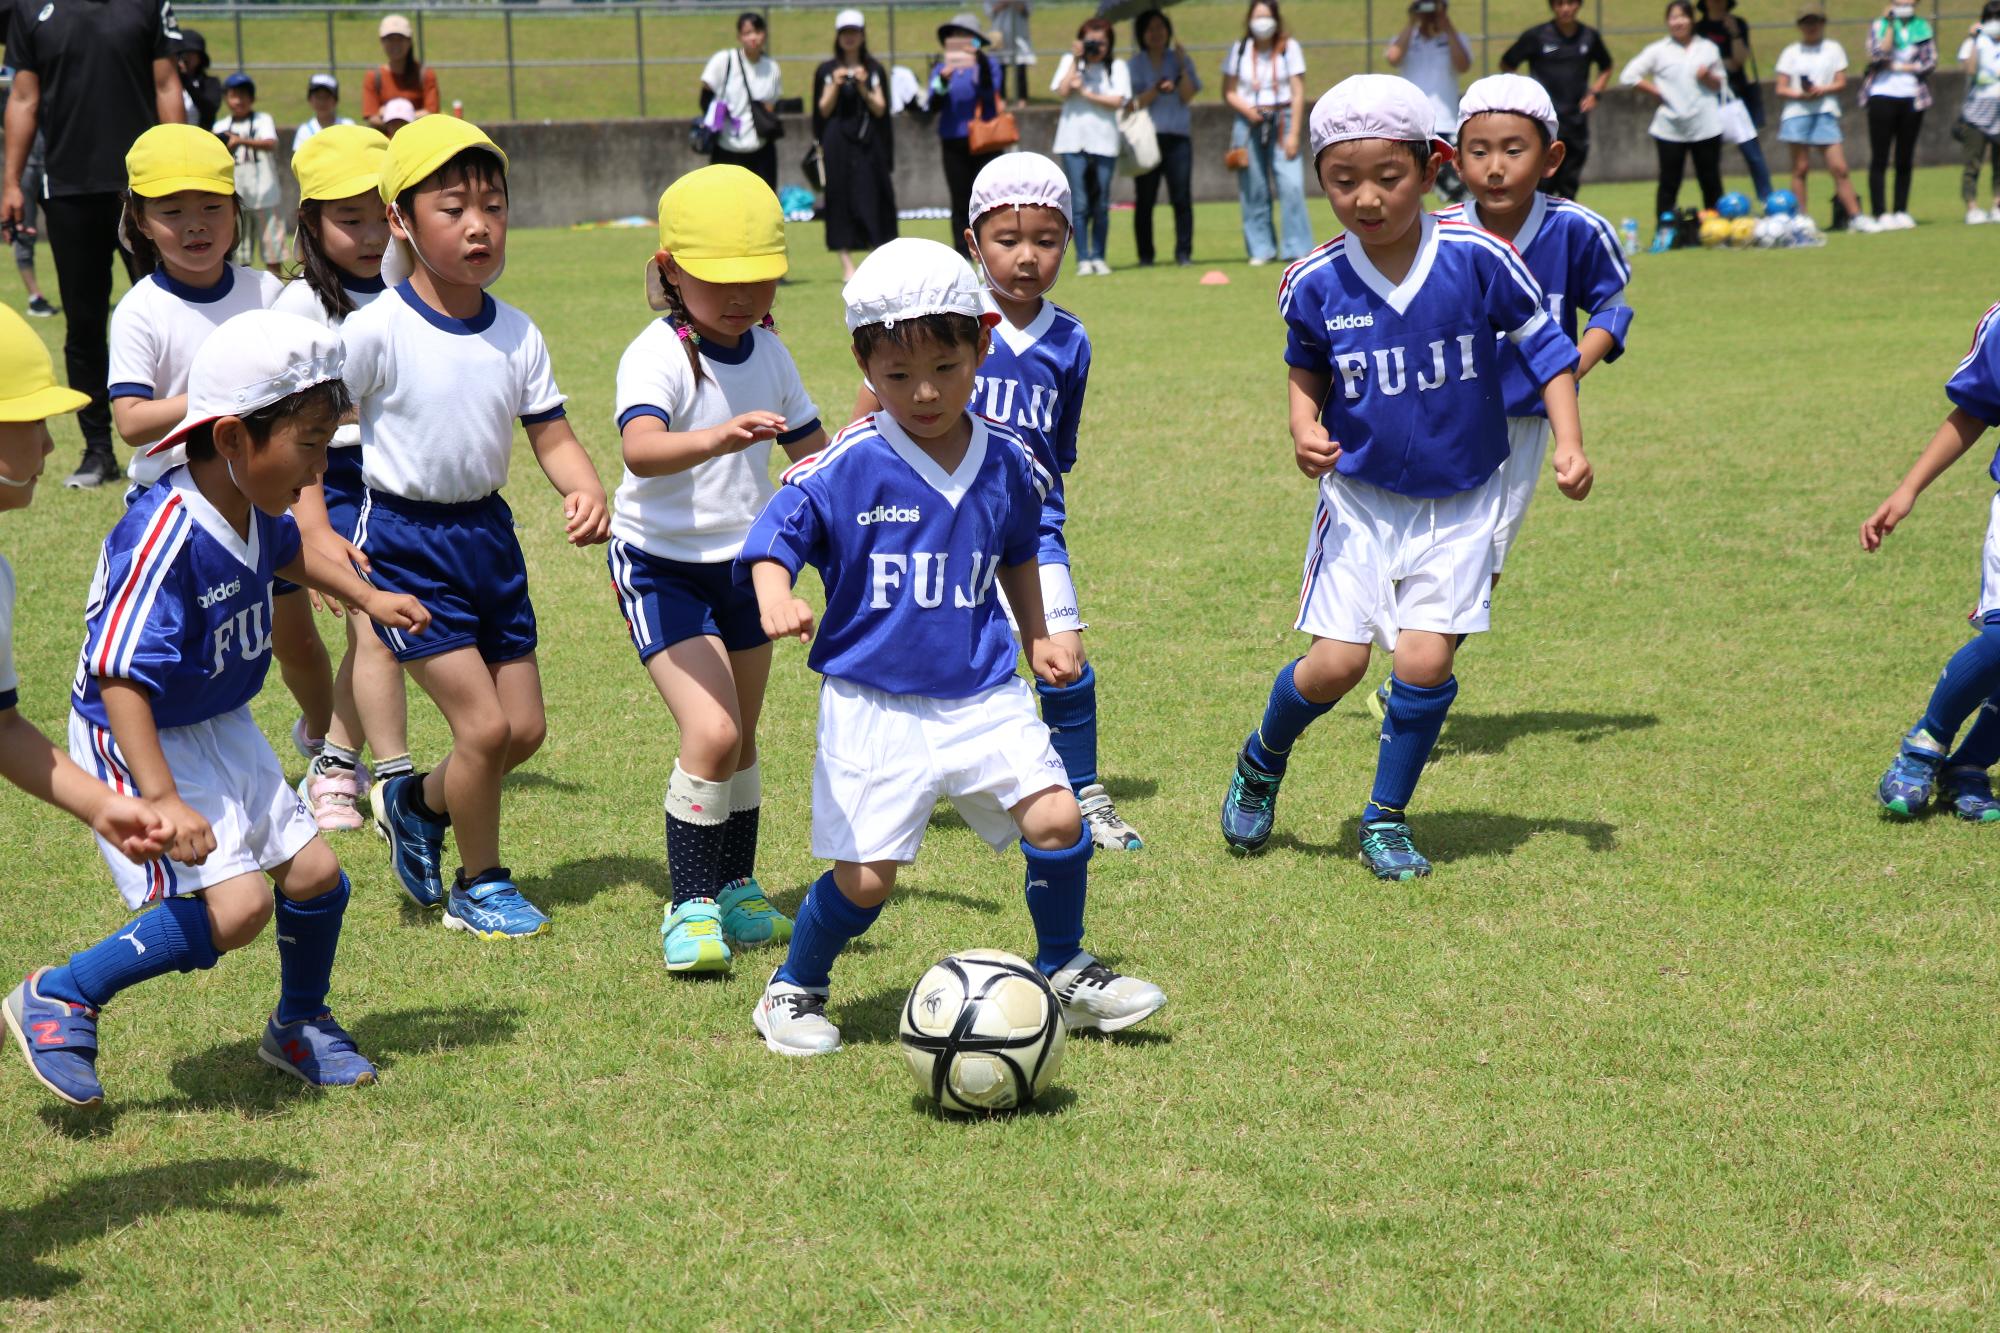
(300, 299)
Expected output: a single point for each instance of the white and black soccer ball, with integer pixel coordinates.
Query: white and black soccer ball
(982, 1032)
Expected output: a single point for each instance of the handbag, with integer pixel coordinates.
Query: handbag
(1737, 126)
(1138, 142)
(701, 139)
(1237, 158)
(813, 167)
(763, 120)
(991, 134)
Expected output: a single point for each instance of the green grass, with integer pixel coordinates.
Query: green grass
(1681, 1032)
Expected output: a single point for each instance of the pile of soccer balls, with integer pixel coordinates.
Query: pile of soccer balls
(1729, 224)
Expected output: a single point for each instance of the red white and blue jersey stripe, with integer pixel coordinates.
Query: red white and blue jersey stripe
(1575, 254)
(182, 606)
(909, 554)
(1415, 401)
(1974, 387)
(1033, 382)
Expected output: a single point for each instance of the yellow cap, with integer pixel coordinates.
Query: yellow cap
(424, 145)
(28, 388)
(340, 162)
(723, 224)
(170, 158)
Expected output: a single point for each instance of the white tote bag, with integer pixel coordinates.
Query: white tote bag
(1736, 125)
(1138, 142)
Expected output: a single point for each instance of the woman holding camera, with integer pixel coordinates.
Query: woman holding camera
(1163, 83)
(1095, 88)
(965, 86)
(856, 152)
(1431, 53)
(1264, 82)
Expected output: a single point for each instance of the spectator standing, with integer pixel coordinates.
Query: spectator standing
(24, 234)
(965, 84)
(857, 148)
(1902, 52)
(1812, 73)
(1431, 53)
(738, 76)
(401, 75)
(1163, 82)
(1264, 82)
(1684, 74)
(1559, 55)
(201, 92)
(251, 137)
(91, 78)
(1731, 36)
(323, 96)
(1009, 22)
(1095, 86)
(1980, 116)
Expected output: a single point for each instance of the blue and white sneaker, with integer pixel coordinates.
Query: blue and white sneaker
(416, 845)
(1386, 847)
(58, 1040)
(691, 938)
(748, 917)
(1251, 806)
(493, 910)
(316, 1051)
(1907, 788)
(1969, 791)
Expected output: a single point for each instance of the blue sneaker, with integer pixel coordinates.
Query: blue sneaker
(1251, 806)
(692, 938)
(1907, 788)
(316, 1051)
(748, 917)
(1386, 847)
(1970, 794)
(416, 845)
(493, 910)
(58, 1040)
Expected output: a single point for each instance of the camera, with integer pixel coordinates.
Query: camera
(1093, 49)
(1805, 83)
(1425, 7)
(16, 233)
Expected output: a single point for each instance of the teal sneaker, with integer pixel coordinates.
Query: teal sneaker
(691, 938)
(1969, 791)
(748, 917)
(1378, 700)
(1907, 788)
(1386, 847)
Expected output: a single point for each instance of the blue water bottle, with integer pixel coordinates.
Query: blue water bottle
(1628, 232)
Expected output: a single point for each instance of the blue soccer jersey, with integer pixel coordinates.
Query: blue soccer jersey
(1415, 402)
(1974, 387)
(1033, 383)
(909, 554)
(1576, 257)
(181, 605)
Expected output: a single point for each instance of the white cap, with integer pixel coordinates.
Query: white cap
(398, 108)
(849, 18)
(1514, 94)
(1020, 180)
(1374, 106)
(909, 278)
(395, 25)
(319, 81)
(252, 361)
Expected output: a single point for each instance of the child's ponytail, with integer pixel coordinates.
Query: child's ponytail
(318, 272)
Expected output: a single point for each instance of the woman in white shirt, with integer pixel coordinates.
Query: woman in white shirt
(1094, 87)
(737, 76)
(1684, 74)
(1811, 74)
(1980, 116)
(1264, 82)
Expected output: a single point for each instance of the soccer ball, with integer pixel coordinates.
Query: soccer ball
(1770, 231)
(1714, 231)
(982, 1032)
(1806, 232)
(1733, 205)
(1781, 204)
(1742, 230)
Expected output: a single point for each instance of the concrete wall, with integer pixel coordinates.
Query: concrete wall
(584, 171)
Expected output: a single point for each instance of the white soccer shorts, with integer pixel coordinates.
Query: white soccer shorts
(1528, 451)
(224, 770)
(884, 759)
(1989, 565)
(1059, 607)
(1378, 563)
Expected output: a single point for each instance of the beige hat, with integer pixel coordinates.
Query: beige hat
(395, 25)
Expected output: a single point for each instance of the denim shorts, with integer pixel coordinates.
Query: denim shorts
(1821, 129)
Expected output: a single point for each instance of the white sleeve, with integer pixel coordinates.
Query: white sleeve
(1787, 60)
(1121, 80)
(654, 380)
(539, 394)
(135, 353)
(1638, 69)
(1295, 59)
(715, 71)
(1230, 61)
(221, 125)
(9, 681)
(265, 127)
(1836, 56)
(361, 346)
(299, 138)
(1063, 68)
(269, 288)
(797, 405)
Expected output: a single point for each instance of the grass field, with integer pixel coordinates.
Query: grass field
(1681, 1032)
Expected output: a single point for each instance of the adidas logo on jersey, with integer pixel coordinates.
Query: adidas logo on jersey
(222, 592)
(890, 514)
(1339, 322)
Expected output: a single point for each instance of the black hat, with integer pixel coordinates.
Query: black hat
(190, 40)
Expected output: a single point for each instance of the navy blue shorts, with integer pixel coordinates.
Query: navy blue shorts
(462, 562)
(666, 601)
(343, 487)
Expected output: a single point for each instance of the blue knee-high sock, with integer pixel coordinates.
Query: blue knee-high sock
(1286, 716)
(173, 937)
(1071, 714)
(1970, 678)
(1410, 727)
(308, 935)
(1981, 746)
(1057, 881)
(827, 920)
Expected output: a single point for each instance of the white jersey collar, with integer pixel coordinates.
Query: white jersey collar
(1397, 295)
(1020, 340)
(951, 485)
(212, 522)
(1538, 213)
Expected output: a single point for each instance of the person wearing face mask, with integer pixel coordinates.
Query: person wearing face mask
(1979, 119)
(1902, 52)
(1264, 82)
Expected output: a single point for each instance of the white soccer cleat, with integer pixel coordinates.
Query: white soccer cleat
(792, 1020)
(1108, 829)
(1974, 216)
(1093, 996)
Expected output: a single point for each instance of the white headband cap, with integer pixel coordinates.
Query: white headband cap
(1512, 94)
(1374, 106)
(909, 278)
(253, 360)
(1020, 180)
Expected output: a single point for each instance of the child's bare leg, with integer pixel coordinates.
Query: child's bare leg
(1843, 179)
(695, 679)
(465, 786)
(1801, 168)
(518, 684)
(381, 702)
(303, 661)
(238, 910)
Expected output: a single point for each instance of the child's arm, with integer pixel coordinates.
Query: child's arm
(652, 450)
(316, 529)
(141, 421)
(328, 573)
(129, 708)
(784, 613)
(1054, 662)
(1594, 346)
(38, 768)
(1312, 448)
(586, 515)
(1960, 431)
(805, 446)
(1573, 475)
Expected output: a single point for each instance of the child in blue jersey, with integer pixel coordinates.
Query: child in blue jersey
(702, 394)
(1970, 683)
(913, 517)
(1397, 408)
(440, 372)
(177, 641)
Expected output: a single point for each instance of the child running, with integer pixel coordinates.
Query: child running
(701, 396)
(1971, 679)
(343, 230)
(176, 645)
(440, 371)
(911, 517)
(1397, 409)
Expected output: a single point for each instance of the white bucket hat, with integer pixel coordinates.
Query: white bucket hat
(1374, 106)
(909, 278)
(1020, 180)
(251, 361)
(1512, 94)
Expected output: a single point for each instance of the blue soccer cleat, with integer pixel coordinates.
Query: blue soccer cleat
(58, 1040)
(1907, 788)
(1378, 700)
(316, 1051)
(416, 845)
(691, 938)
(493, 910)
(1251, 806)
(748, 917)
(1386, 847)
(1969, 792)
